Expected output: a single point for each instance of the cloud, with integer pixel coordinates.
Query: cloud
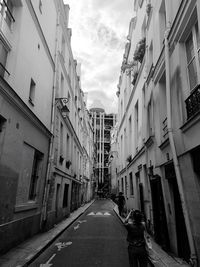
(99, 30)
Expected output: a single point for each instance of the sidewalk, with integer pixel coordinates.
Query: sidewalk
(158, 256)
(26, 252)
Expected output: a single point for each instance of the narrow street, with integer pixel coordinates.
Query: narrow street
(97, 238)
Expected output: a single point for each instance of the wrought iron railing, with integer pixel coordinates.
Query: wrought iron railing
(193, 102)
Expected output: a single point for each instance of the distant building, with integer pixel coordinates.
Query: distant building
(102, 126)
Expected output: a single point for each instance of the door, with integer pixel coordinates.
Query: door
(181, 232)
(57, 199)
(159, 215)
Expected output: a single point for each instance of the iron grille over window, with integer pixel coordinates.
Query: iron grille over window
(193, 102)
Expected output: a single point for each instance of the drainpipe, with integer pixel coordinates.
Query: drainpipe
(51, 154)
(193, 256)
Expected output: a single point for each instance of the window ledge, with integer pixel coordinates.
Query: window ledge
(190, 122)
(26, 207)
(164, 144)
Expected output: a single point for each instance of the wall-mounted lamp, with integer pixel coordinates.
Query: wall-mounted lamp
(64, 108)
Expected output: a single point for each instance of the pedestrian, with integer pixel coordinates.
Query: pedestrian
(120, 203)
(136, 241)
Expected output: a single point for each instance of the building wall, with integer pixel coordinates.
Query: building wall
(152, 161)
(72, 131)
(25, 125)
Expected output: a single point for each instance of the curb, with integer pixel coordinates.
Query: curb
(37, 254)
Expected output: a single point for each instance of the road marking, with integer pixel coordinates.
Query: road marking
(91, 213)
(107, 214)
(61, 245)
(82, 221)
(51, 258)
(48, 264)
(76, 227)
(99, 214)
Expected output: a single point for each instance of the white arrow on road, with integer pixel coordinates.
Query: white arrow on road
(48, 264)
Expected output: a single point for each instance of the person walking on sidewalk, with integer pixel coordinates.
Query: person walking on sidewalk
(136, 242)
(120, 203)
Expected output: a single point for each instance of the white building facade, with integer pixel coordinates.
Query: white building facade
(43, 121)
(27, 49)
(158, 147)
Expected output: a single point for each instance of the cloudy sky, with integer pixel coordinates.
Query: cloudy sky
(99, 31)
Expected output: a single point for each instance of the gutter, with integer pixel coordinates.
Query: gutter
(51, 153)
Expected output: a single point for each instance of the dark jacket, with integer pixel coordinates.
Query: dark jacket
(135, 235)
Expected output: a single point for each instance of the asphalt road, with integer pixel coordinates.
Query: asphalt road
(97, 238)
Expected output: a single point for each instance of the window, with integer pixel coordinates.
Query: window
(2, 123)
(122, 183)
(40, 6)
(32, 92)
(62, 85)
(63, 48)
(35, 175)
(162, 20)
(131, 184)
(192, 45)
(65, 196)
(2, 133)
(130, 134)
(6, 10)
(3, 59)
(150, 118)
(140, 3)
(61, 139)
(126, 186)
(68, 147)
(136, 126)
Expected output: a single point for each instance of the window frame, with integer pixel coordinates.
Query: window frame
(196, 56)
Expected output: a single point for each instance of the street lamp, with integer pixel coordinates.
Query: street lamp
(64, 108)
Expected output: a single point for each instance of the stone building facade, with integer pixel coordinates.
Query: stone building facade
(45, 129)
(158, 132)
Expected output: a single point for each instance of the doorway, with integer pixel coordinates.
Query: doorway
(183, 247)
(159, 216)
(57, 199)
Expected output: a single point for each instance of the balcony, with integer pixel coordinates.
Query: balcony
(193, 102)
